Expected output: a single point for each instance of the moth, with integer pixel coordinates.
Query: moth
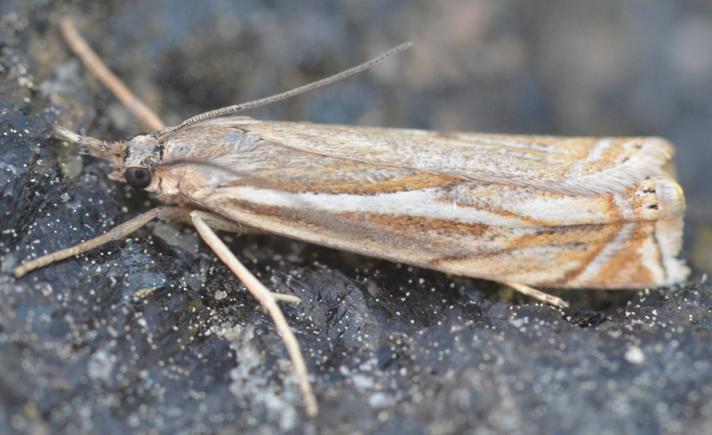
(529, 211)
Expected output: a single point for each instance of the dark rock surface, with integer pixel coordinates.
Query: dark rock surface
(152, 334)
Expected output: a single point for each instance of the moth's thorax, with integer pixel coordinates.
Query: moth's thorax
(208, 140)
(214, 142)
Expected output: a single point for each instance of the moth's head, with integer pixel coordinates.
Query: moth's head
(141, 155)
(133, 160)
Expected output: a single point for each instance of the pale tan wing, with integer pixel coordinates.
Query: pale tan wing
(417, 228)
(495, 231)
(579, 165)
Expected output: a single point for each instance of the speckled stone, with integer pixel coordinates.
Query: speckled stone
(153, 335)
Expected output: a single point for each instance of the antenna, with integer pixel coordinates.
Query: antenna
(229, 110)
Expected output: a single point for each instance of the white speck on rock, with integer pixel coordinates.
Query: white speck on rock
(9, 262)
(634, 355)
(361, 382)
(381, 400)
(101, 364)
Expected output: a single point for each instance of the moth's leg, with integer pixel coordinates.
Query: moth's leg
(114, 234)
(268, 302)
(97, 67)
(217, 222)
(538, 294)
(220, 223)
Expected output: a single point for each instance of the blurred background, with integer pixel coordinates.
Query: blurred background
(153, 335)
(610, 67)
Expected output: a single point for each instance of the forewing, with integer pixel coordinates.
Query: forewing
(277, 182)
(578, 165)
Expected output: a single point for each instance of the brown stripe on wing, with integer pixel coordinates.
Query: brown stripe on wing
(563, 236)
(419, 225)
(577, 245)
(467, 196)
(621, 271)
(331, 226)
(595, 250)
(583, 241)
(612, 270)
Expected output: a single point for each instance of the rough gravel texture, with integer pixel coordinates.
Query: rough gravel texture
(152, 334)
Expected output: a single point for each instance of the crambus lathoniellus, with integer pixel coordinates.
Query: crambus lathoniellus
(531, 211)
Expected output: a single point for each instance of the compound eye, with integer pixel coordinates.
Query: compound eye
(138, 177)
